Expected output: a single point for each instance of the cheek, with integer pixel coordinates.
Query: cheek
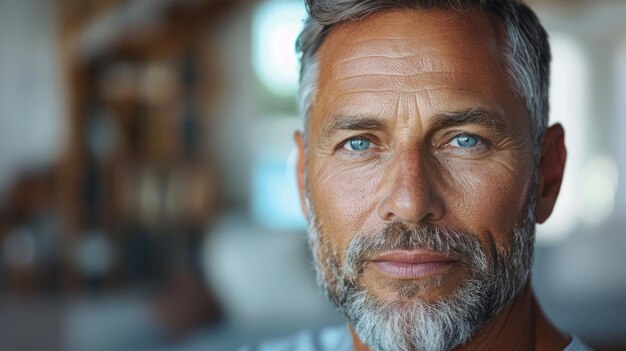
(488, 200)
(344, 199)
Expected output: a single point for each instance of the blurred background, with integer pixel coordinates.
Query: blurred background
(147, 191)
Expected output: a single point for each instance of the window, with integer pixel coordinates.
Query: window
(275, 26)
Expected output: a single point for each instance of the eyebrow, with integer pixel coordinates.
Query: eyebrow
(475, 116)
(353, 122)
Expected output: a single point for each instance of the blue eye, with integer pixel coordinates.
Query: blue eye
(358, 144)
(465, 141)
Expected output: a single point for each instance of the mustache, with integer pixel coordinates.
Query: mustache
(462, 246)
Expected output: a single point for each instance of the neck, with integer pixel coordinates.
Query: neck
(510, 329)
(520, 326)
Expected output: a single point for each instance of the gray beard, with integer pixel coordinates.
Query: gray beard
(438, 325)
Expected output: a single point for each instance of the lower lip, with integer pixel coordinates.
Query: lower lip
(401, 270)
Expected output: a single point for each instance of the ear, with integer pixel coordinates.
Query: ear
(551, 167)
(298, 137)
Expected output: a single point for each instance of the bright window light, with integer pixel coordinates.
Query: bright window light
(275, 202)
(569, 106)
(275, 26)
(598, 188)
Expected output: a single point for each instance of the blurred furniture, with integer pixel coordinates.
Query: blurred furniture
(137, 185)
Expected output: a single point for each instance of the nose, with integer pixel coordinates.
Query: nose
(411, 196)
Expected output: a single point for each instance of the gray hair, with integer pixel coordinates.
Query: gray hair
(527, 51)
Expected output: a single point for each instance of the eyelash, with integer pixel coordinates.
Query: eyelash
(364, 136)
(481, 140)
(482, 143)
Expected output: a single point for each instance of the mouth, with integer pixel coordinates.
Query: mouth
(413, 264)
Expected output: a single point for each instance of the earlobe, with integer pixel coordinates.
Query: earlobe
(551, 168)
(298, 137)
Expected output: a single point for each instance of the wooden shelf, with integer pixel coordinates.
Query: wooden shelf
(136, 163)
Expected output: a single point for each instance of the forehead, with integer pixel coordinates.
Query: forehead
(433, 57)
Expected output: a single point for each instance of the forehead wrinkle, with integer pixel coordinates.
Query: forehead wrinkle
(397, 110)
(389, 91)
(410, 65)
(421, 59)
(418, 114)
(380, 39)
(413, 75)
(401, 83)
(426, 104)
(393, 48)
(376, 93)
(407, 114)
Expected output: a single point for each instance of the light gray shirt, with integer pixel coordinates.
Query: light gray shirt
(338, 339)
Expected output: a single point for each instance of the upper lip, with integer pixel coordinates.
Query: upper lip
(412, 257)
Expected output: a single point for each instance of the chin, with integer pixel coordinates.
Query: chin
(417, 314)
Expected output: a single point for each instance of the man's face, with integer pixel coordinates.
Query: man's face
(419, 165)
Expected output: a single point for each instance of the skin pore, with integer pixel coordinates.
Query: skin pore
(415, 121)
